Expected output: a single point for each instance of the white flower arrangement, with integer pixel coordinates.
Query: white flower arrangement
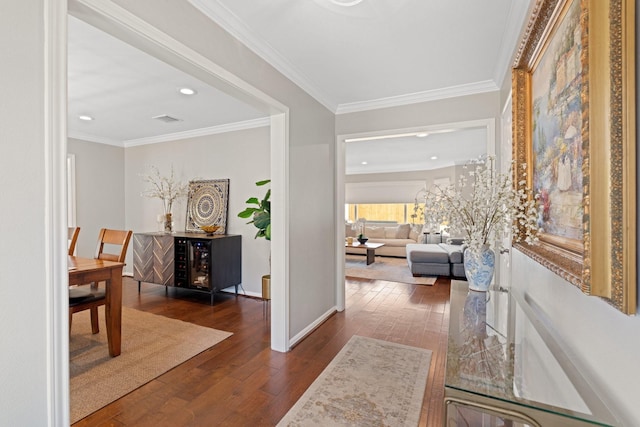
(165, 188)
(484, 207)
(360, 226)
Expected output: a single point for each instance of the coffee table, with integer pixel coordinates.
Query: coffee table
(370, 247)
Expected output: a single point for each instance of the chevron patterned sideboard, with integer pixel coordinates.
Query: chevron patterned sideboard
(153, 258)
(173, 260)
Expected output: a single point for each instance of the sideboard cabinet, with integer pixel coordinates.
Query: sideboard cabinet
(153, 258)
(192, 261)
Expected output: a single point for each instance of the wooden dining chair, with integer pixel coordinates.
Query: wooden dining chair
(112, 246)
(73, 239)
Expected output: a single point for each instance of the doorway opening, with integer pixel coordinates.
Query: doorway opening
(116, 21)
(392, 166)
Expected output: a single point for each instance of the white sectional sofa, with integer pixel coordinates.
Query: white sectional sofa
(395, 237)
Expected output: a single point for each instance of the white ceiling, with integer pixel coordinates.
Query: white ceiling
(375, 54)
(379, 52)
(123, 88)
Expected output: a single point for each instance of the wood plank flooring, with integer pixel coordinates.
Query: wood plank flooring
(242, 382)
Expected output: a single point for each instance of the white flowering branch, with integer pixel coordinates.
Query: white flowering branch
(167, 189)
(484, 208)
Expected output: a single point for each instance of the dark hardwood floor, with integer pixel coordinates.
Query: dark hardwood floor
(242, 382)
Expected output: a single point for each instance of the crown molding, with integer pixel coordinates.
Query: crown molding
(239, 30)
(94, 138)
(230, 127)
(414, 98)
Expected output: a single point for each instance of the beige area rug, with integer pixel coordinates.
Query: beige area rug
(151, 345)
(385, 268)
(369, 383)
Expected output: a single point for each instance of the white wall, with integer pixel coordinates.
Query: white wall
(599, 337)
(27, 220)
(241, 156)
(100, 188)
(108, 186)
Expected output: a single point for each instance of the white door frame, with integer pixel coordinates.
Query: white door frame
(341, 141)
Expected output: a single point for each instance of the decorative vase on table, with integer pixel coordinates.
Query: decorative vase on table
(478, 267)
(168, 223)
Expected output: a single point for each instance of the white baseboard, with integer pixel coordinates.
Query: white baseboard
(306, 331)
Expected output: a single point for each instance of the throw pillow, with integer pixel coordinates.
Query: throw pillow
(390, 232)
(402, 231)
(374, 232)
(415, 233)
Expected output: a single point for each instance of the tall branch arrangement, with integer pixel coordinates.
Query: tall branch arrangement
(166, 188)
(484, 207)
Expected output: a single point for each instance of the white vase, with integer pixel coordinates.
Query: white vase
(478, 267)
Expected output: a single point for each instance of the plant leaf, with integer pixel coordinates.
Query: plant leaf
(261, 220)
(247, 212)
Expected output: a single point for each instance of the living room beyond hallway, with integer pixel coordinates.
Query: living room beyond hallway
(242, 382)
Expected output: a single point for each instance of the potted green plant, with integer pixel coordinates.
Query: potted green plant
(260, 212)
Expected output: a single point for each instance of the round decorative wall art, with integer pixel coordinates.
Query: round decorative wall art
(207, 204)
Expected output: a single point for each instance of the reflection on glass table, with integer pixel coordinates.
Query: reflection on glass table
(468, 416)
(505, 368)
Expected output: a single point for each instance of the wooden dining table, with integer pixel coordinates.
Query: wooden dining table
(83, 271)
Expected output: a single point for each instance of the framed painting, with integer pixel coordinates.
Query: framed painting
(574, 129)
(207, 204)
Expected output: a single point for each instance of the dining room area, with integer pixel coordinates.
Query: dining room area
(113, 350)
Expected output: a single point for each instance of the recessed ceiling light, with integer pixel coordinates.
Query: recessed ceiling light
(434, 157)
(422, 134)
(85, 118)
(187, 91)
(364, 163)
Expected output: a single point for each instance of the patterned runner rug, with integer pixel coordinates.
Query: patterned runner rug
(151, 345)
(369, 383)
(385, 268)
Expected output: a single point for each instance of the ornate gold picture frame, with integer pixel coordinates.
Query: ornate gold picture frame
(574, 128)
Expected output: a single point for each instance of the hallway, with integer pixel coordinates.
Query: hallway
(241, 382)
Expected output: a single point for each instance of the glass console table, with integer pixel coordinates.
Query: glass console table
(506, 368)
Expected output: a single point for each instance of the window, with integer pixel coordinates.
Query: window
(382, 212)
